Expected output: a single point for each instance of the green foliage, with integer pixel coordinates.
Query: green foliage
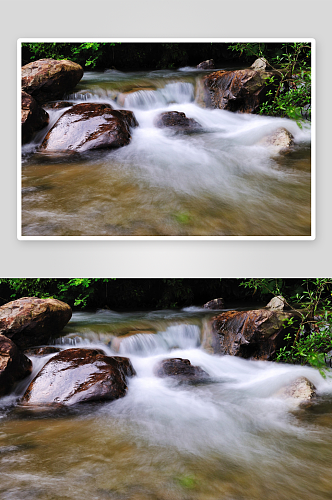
(289, 93)
(312, 338)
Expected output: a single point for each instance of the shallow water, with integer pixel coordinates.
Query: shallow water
(230, 438)
(216, 182)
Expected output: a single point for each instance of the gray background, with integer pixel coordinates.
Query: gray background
(159, 18)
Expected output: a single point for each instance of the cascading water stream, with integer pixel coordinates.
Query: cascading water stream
(218, 180)
(231, 436)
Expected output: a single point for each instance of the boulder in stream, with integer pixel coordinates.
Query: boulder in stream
(89, 126)
(14, 365)
(215, 304)
(208, 64)
(241, 90)
(31, 321)
(301, 389)
(180, 368)
(49, 79)
(176, 120)
(33, 117)
(255, 334)
(79, 375)
(280, 140)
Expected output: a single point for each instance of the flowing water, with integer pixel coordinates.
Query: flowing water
(217, 182)
(229, 438)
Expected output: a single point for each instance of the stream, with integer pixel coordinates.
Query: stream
(216, 182)
(229, 438)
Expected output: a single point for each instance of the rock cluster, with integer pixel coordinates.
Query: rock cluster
(24, 323)
(71, 375)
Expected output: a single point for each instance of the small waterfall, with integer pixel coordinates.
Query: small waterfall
(182, 336)
(175, 92)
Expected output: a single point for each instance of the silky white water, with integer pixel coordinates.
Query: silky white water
(219, 180)
(229, 437)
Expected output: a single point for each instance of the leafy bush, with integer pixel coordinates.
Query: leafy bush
(312, 339)
(290, 95)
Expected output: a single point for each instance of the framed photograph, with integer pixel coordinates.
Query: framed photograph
(178, 139)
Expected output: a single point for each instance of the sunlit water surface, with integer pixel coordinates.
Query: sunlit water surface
(230, 438)
(219, 181)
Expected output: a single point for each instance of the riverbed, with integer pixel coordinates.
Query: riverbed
(218, 181)
(231, 438)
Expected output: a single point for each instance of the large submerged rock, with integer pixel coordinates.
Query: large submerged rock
(33, 117)
(14, 365)
(30, 321)
(241, 90)
(89, 126)
(180, 368)
(255, 334)
(49, 79)
(79, 375)
(177, 120)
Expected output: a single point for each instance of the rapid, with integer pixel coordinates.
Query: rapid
(229, 437)
(218, 181)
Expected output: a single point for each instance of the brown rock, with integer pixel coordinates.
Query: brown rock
(241, 90)
(256, 334)
(175, 119)
(179, 368)
(30, 321)
(14, 365)
(77, 376)
(214, 304)
(33, 117)
(89, 126)
(58, 105)
(209, 64)
(42, 351)
(49, 79)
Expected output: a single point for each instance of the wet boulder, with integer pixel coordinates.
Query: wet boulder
(240, 90)
(88, 126)
(176, 120)
(77, 376)
(208, 64)
(14, 365)
(255, 334)
(280, 140)
(33, 117)
(30, 321)
(301, 390)
(215, 304)
(49, 79)
(180, 368)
